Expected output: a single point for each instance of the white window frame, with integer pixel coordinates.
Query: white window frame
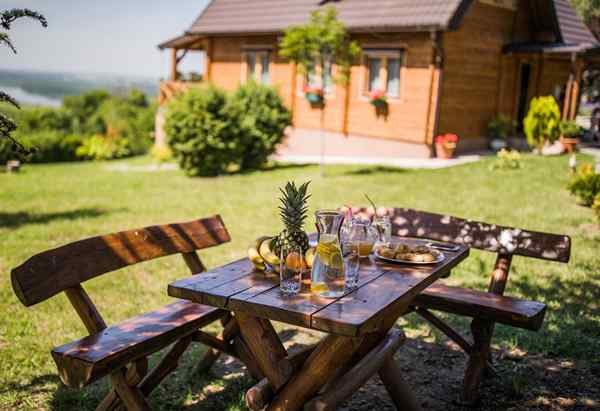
(383, 54)
(259, 53)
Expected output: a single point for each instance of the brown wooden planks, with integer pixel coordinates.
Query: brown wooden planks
(53, 271)
(296, 310)
(83, 361)
(197, 288)
(506, 310)
(390, 294)
(476, 234)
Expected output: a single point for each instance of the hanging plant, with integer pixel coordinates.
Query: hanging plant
(378, 98)
(314, 95)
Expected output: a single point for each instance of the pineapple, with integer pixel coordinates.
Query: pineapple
(293, 211)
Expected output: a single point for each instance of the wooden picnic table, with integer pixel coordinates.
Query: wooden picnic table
(358, 325)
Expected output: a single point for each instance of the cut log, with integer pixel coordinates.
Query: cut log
(350, 382)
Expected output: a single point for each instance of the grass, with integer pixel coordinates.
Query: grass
(48, 205)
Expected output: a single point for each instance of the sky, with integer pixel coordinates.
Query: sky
(98, 36)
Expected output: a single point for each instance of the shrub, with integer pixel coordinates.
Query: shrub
(501, 127)
(35, 119)
(570, 129)
(83, 108)
(542, 121)
(204, 137)
(100, 147)
(262, 120)
(161, 153)
(507, 160)
(49, 146)
(585, 184)
(596, 206)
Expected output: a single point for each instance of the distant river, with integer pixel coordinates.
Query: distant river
(26, 98)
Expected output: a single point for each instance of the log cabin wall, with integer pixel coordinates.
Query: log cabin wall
(407, 116)
(473, 75)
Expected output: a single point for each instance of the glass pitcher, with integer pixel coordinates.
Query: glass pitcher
(361, 234)
(327, 276)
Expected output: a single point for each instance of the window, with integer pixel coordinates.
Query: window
(383, 68)
(257, 66)
(313, 78)
(251, 66)
(264, 68)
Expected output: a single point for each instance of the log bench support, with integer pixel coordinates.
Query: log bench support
(311, 379)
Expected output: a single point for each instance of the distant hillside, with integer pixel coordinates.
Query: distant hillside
(45, 88)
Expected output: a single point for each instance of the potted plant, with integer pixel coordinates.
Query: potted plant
(314, 95)
(445, 145)
(378, 98)
(499, 129)
(542, 124)
(569, 135)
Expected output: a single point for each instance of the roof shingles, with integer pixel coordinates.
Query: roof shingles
(273, 16)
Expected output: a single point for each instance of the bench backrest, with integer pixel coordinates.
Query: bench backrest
(503, 240)
(66, 267)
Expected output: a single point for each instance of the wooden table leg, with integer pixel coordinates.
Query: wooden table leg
(330, 354)
(402, 395)
(266, 347)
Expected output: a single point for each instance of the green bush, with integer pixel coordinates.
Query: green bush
(100, 147)
(585, 184)
(35, 119)
(542, 122)
(202, 134)
(501, 127)
(570, 129)
(83, 109)
(211, 132)
(263, 119)
(50, 146)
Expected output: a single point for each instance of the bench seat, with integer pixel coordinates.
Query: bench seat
(84, 361)
(472, 303)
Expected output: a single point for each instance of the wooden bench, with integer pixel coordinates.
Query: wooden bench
(121, 350)
(485, 307)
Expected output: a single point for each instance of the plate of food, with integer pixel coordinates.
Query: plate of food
(407, 254)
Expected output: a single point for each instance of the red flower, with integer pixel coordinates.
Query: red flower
(313, 90)
(447, 139)
(377, 95)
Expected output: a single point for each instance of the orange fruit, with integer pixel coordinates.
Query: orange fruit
(294, 261)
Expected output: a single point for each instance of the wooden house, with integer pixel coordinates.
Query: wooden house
(447, 66)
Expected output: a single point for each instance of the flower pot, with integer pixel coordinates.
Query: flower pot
(444, 150)
(315, 99)
(569, 143)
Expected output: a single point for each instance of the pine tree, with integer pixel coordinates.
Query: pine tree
(7, 17)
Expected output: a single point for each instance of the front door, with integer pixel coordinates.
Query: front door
(523, 96)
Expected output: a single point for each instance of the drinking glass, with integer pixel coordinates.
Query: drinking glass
(291, 270)
(351, 256)
(384, 229)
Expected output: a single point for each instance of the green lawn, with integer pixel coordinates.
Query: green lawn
(48, 205)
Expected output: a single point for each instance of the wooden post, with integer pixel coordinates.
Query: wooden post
(482, 334)
(348, 89)
(569, 90)
(174, 64)
(209, 58)
(575, 91)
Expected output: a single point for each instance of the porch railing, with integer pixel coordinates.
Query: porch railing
(170, 88)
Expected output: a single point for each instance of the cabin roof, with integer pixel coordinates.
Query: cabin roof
(273, 16)
(222, 17)
(572, 28)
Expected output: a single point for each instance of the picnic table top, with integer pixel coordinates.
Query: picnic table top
(384, 290)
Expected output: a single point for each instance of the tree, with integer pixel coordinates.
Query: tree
(323, 40)
(7, 17)
(319, 44)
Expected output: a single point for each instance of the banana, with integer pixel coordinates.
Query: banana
(261, 239)
(256, 259)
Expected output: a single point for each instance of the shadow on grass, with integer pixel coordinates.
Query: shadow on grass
(21, 218)
(365, 171)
